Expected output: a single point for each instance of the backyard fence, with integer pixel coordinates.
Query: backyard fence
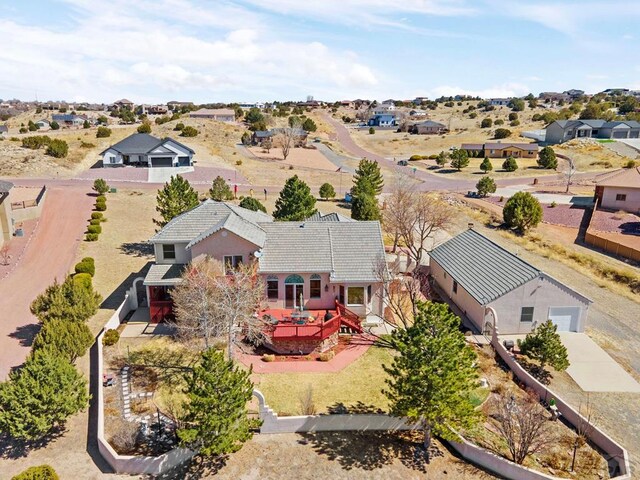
(600, 240)
(28, 209)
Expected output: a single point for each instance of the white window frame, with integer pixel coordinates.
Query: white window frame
(234, 263)
(164, 253)
(364, 297)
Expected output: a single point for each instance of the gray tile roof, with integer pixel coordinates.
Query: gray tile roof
(141, 143)
(165, 274)
(431, 123)
(209, 217)
(329, 217)
(5, 186)
(349, 251)
(483, 268)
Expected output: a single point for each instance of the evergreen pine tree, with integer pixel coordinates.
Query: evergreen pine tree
(219, 190)
(176, 197)
(68, 301)
(365, 207)
(295, 202)
(254, 204)
(433, 374)
(544, 345)
(486, 165)
(64, 339)
(216, 421)
(522, 211)
(368, 178)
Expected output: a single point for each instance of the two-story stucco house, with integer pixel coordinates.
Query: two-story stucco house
(478, 275)
(619, 190)
(305, 265)
(145, 150)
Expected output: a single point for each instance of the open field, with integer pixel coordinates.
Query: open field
(298, 157)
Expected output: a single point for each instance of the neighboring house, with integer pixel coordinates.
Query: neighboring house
(6, 222)
(383, 120)
(259, 136)
(501, 150)
(123, 103)
(619, 190)
(383, 108)
(476, 274)
(574, 93)
(428, 127)
(4, 130)
(145, 150)
(562, 131)
(153, 109)
(249, 106)
(554, 97)
(43, 124)
(499, 102)
(219, 114)
(417, 113)
(305, 265)
(175, 105)
(69, 119)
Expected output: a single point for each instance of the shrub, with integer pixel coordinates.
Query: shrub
(91, 237)
(96, 215)
(486, 123)
(326, 356)
(23, 130)
(103, 132)
(84, 144)
(36, 142)
(372, 130)
(179, 127)
(85, 266)
(547, 158)
(94, 229)
(144, 128)
(41, 472)
(514, 123)
(416, 157)
(111, 337)
(101, 206)
(513, 116)
(101, 187)
(238, 162)
(502, 133)
(101, 198)
(522, 211)
(486, 165)
(499, 122)
(83, 280)
(327, 191)
(189, 132)
(473, 115)
(510, 164)
(254, 204)
(95, 221)
(58, 148)
(485, 186)
(553, 205)
(268, 357)
(630, 164)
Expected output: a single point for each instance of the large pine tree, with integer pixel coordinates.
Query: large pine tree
(176, 197)
(219, 190)
(67, 301)
(40, 396)
(433, 375)
(295, 203)
(64, 338)
(216, 421)
(368, 178)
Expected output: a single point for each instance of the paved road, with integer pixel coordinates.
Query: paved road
(433, 181)
(48, 256)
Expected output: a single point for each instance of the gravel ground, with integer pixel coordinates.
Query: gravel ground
(564, 215)
(622, 222)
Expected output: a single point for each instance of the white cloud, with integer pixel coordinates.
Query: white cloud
(110, 52)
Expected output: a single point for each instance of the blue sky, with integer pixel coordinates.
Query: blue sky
(263, 50)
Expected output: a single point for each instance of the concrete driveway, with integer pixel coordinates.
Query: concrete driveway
(559, 198)
(593, 369)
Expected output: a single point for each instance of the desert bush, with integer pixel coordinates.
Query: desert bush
(36, 142)
(630, 164)
(502, 133)
(307, 405)
(179, 127)
(84, 144)
(96, 215)
(94, 221)
(91, 237)
(101, 206)
(86, 266)
(103, 132)
(268, 357)
(101, 198)
(416, 157)
(41, 472)
(124, 437)
(499, 121)
(111, 337)
(372, 130)
(238, 162)
(94, 229)
(189, 132)
(58, 148)
(326, 356)
(83, 280)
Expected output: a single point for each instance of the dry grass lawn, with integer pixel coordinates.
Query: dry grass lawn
(359, 385)
(298, 157)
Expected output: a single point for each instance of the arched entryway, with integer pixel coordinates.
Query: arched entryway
(294, 291)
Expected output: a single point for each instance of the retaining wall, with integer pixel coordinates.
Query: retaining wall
(129, 464)
(30, 210)
(613, 451)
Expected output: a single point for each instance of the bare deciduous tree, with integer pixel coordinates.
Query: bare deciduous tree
(415, 217)
(267, 144)
(401, 293)
(569, 172)
(287, 138)
(523, 424)
(210, 303)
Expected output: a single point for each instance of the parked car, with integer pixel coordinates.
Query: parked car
(403, 163)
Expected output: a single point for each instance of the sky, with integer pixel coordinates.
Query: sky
(154, 51)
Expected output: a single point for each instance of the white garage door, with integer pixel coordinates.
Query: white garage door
(566, 318)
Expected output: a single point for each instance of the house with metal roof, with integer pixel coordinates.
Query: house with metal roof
(478, 276)
(562, 131)
(619, 190)
(307, 265)
(142, 149)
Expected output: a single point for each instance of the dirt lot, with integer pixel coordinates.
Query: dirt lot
(298, 157)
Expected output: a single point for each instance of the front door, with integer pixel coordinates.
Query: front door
(293, 295)
(341, 295)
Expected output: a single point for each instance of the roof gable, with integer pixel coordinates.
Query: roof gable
(625, 177)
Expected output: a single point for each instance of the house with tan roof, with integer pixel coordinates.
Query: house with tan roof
(219, 114)
(619, 190)
(324, 263)
(501, 149)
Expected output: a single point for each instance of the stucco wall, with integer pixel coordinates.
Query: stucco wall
(29, 213)
(465, 302)
(183, 255)
(111, 158)
(554, 134)
(224, 243)
(631, 204)
(6, 227)
(541, 293)
(326, 300)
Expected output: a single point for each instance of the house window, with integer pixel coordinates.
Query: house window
(455, 287)
(315, 287)
(355, 296)
(621, 197)
(168, 251)
(272, 288)
(526, 314)
(231, 262)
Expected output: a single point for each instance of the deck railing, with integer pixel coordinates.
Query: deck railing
(349, 318)
(311, 331)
